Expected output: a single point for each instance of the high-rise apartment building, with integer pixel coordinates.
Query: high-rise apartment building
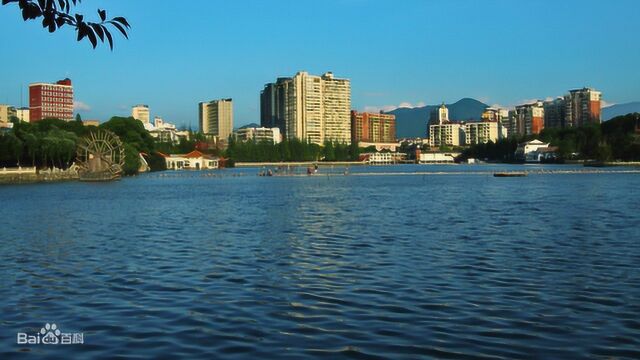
(555, 113)
(527, 119)
(373, 127)
(273, 104)
(141, 112)
(51, 101)
(481, 132)
(308, 107)
(577, 108)
(216, 118)
(582, 107)
(446, 134)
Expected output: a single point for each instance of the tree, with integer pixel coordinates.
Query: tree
(57, 13)
(78, 118)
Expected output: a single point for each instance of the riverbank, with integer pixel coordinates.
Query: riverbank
(301, 163)
(31, 175)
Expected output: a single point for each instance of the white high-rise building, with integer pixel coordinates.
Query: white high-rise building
(140, 112)
(315, 108)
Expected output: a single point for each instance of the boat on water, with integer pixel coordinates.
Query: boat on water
(510, 174)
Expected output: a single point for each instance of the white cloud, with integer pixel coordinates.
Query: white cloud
(605, 104)
(387, 108)
(80, 106)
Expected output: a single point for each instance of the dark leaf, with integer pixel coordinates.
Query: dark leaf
(97, 28)
(92, 37)
(79, 18)
(122, 21)
(60, 21)
(103, 15)
(119, 27)
(109, 38)
(82, 31)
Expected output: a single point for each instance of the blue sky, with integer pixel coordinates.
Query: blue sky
(395, 52)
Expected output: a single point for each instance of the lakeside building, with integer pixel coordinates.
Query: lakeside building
(527, 119)
(481, 132)
(215, 119)
(381, 158)
(577, 108)
(309, 107)
(499, 115)
(23, 114)
(259, 134)
(555, 113)
(51, 101)
(273, 104)
(393, 147)
(438, 116)
(194, 160)
(373, 127)
(447, 134)
(6, 113)
(530, 151)
(165, 132)
(435, 157)
(141, 112)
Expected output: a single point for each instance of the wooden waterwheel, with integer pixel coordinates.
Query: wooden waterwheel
(100, 156)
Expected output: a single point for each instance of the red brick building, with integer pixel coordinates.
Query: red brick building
(372, 127)
(51, 101)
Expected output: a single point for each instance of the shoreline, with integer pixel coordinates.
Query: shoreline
(8, 178)
(301, 163)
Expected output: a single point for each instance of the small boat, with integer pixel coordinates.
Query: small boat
(510, 174)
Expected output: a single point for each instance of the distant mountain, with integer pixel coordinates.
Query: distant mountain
(612, 111)
(412, 122)
(251, 125)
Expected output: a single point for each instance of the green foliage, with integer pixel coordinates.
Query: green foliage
(156, 162)
(131, 159)
(612, 140)
(290, 150)
(131, 131)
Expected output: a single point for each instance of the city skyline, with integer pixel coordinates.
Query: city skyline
(454, 50)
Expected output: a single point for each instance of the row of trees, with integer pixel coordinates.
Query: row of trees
(615, 139)
(290, 150)
(53, 142)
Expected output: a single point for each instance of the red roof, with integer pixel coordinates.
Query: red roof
(194, 154)
(162, 154)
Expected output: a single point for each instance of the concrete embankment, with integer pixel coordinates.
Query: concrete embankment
(31, 175)
(301, 163)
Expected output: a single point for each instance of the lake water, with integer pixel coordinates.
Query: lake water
(455, 265)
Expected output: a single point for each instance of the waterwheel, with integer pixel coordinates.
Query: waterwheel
(100, 156)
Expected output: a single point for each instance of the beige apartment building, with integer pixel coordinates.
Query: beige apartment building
(481, 132)
(6, 113)
(140, 112)
(447, 134)
(312, 108)
(216, 118)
